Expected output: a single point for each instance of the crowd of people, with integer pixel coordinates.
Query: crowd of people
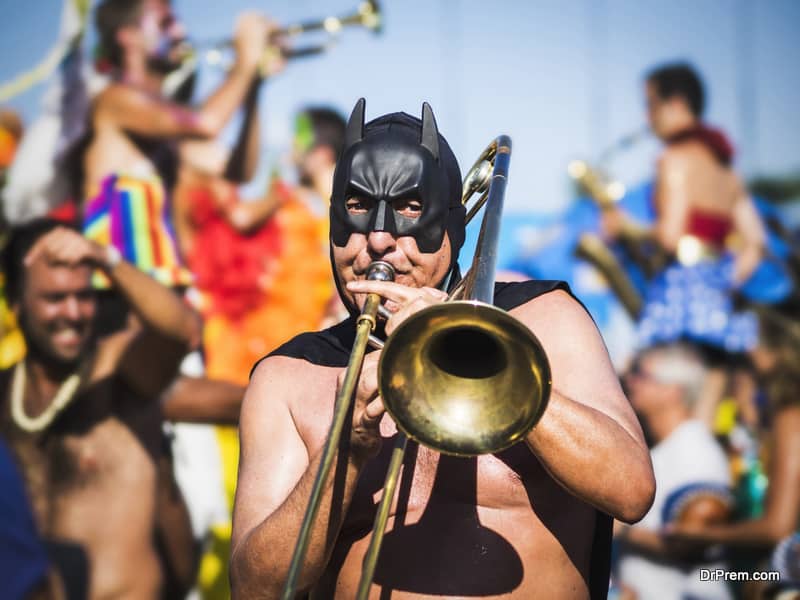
(171, 352)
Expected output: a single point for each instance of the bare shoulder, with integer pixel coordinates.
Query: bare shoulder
(110, 350)
(275, 440)
(580, 366)
(293, 387)
(678, 158)
(567, 332)
(113, 95)
(558, 316)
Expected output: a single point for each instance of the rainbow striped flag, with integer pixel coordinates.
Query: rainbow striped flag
(132, 213)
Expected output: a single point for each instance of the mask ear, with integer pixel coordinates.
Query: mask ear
(430, 133)
(355, 126)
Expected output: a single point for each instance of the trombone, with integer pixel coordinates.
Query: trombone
(462, 377)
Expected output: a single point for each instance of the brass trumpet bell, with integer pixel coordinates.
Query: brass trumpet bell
(464, 378)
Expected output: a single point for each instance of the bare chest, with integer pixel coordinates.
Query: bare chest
(108, 456)
(100, 453)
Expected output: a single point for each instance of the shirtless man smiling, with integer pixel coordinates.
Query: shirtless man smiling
(81, 414)
(528, 522)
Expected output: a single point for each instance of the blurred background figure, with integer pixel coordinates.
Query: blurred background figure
(130, 161)
(261, 264)
(11, 342)
(663, 386)
(81, 416)
(769, 540)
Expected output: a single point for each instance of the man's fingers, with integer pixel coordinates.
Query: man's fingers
(374, 411)
(34, 253)
(395, 292)
(386, 289)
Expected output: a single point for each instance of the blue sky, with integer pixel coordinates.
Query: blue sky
(562, 79)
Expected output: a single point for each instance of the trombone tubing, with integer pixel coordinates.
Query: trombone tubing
(479, 284)
(364, 326)
(480, 287)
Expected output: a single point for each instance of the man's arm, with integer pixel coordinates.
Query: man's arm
(277, 472)
(783, 496)
(176, 541)
(588, 438)
(168, 329)
(202, 400)
(131, 109)
(243, 159)
(147, 356)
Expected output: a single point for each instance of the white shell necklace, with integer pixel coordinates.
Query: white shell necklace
(63, 397)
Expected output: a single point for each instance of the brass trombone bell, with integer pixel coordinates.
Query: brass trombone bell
(464, 378)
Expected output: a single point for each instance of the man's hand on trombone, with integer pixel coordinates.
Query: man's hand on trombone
(402, 301)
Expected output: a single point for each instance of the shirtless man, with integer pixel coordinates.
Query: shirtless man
(526, 523)
(79, 413)
(130, 162)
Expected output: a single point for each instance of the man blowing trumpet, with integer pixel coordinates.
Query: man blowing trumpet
(531, 521)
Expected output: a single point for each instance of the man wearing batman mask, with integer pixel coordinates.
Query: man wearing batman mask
(529, 522)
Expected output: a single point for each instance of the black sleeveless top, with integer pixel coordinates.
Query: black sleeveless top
(331, 348)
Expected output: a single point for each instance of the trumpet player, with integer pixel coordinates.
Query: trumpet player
(532, 521)
(130, 161)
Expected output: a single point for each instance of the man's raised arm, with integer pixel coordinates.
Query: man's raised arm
(149, 358)
(131, 109)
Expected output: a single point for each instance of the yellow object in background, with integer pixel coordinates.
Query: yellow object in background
(12, 344)
(725, 417)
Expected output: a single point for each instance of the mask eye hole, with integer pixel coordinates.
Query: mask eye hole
(408, 207)
(357, 205)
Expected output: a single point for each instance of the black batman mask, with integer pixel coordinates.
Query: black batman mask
(394, 158)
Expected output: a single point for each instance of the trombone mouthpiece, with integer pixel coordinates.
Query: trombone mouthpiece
(380, 271)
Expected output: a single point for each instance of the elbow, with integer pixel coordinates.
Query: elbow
(246, 585)
(638, 498)
(207, 126)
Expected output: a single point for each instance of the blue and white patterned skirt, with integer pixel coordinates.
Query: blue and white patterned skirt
(694, 303)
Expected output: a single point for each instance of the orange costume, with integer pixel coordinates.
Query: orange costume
(259, 289)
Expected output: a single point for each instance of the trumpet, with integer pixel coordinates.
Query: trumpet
(367, 15)
(217, 54)
(462, 377)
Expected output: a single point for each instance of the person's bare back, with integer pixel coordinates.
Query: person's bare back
(710, 187)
